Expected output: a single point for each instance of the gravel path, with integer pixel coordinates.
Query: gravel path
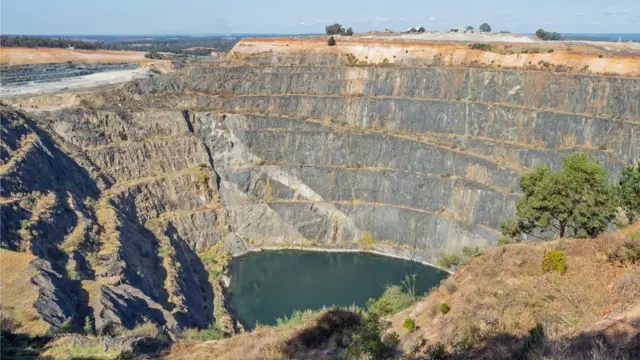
(73, 83)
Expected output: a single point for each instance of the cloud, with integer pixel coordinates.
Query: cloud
(614, 12)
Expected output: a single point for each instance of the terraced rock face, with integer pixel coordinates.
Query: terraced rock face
(424, 159)
(129, 203)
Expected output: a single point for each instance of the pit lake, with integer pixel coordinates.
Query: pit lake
(271, 284)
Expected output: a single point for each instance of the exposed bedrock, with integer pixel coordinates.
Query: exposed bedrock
(128, 201)
(115, 218)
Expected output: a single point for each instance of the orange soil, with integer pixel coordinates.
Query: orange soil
(20, 56)
(579, 57)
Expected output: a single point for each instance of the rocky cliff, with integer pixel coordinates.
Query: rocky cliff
(123, 204)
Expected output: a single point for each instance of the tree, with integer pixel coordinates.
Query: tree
(547, 35)
(485, 27)
(469, 28)
(578, 197)
(629, 188)
(421, 29)
(349, 32)
(331, 41)
(88, 326)
(335, 29)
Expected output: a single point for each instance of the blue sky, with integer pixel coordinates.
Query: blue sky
(300, 16)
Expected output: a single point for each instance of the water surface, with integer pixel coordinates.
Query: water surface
(270, 284)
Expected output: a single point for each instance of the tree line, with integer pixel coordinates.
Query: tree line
(179, 45)
(337, 29)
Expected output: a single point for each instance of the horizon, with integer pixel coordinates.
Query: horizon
(288, 17)
(274, 34)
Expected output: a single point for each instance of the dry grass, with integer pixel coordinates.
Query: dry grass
(26, 144)
(306, 335)
(81, 347)
(504, 291)
(265, 342)
(18, 294)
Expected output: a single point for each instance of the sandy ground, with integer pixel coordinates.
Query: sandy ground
(459, 36)
(74, 83)
(19, 56)
(499, 37)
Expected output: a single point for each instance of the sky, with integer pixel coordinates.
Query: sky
(205, 17)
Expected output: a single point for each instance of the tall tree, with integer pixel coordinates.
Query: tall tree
(485, 27)
(335, 29)
(578, 197)
(630, 191)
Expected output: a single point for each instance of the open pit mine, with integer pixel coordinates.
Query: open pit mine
(123, 204)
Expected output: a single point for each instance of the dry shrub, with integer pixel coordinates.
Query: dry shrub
(624, 248)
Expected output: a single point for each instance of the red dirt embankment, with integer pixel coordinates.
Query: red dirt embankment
(556, 56)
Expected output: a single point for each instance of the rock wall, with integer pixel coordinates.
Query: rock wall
(423, 159)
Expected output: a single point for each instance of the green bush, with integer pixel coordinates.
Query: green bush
(485, 27)
(397, 299)
(409, 324)
(629, 188)
(478, 46)
(213, 332)
(554, 261)
(371, 340)
(444, 308)
(471, 251)
(449, 261)
(332, 41)
(295, 318)
(547, 35)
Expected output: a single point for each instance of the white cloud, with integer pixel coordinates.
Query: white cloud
(614, 12)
